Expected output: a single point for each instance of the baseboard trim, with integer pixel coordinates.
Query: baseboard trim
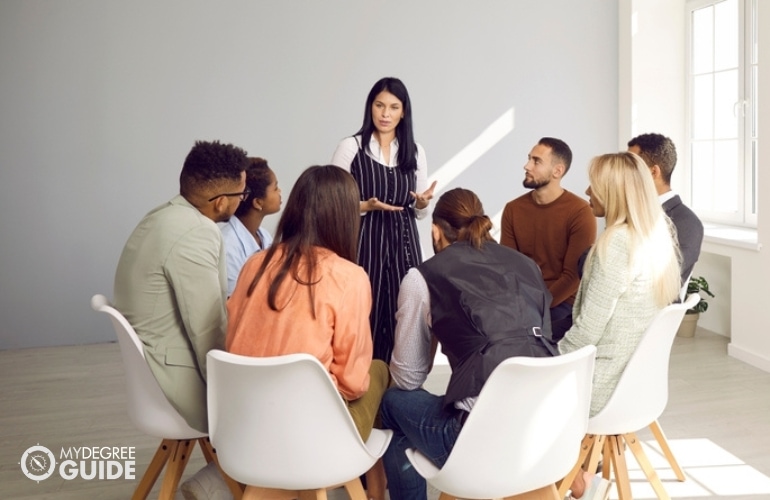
(748, 357)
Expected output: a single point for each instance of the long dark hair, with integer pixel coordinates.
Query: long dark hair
(322, 211)
(407, 148)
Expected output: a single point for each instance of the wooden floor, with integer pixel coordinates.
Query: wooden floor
(717, 420)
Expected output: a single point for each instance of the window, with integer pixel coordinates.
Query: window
(723, 110)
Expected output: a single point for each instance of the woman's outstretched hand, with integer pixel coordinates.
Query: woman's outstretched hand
(375, 204)
(422, 200)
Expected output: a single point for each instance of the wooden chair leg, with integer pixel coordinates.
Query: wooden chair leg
(586, 447)
(592, 461)
(236, 488)
(355, 489)
(153, 470)
(259, 493)
(606, 455)
(663, 442)
(180, 454)
(319, 494)
(644, 463)
(618, 460)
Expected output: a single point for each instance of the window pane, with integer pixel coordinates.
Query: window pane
(722, 109)
(702, 40)
(726, 175)
(726, 35)
(703, 107)
(726, 111)
(702, 175)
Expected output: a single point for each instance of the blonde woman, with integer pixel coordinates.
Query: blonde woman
(631, 273)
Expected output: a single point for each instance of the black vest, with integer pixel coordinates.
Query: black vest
(486, 305)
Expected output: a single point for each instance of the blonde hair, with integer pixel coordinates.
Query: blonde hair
(622, 183)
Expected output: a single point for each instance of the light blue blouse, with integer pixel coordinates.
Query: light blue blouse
(239, 246)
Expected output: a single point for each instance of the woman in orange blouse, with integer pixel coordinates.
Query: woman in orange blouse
(307, 294)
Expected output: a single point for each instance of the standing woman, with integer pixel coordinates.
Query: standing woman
(391, 172)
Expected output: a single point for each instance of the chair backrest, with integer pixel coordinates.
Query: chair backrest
(642, 391)
(525, 429)
(148, 408)
(279, 422)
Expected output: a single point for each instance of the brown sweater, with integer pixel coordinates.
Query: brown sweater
(554, 236)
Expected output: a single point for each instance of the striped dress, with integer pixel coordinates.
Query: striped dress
(388, 245)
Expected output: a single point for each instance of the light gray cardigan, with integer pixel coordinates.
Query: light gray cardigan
(613, 307)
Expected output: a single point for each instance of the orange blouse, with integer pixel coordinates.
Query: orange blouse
(339, 336)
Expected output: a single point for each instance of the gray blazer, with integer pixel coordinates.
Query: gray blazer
(171, 285)
(689, 231)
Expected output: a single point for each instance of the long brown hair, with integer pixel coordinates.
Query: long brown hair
(322, 211)
(460, 215)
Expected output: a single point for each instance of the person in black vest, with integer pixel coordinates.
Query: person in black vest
(484, 303)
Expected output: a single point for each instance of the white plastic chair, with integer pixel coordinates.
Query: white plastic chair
(638, 400)
(523, 433)
(152, 414)
(281, 427)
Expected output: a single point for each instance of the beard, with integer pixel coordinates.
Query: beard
(535, 184)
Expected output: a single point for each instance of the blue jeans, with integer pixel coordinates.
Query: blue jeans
(419, 421)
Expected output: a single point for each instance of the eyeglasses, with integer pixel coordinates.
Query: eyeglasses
(242, 195)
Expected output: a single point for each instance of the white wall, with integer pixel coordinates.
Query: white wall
(652, 99)
(100, 102)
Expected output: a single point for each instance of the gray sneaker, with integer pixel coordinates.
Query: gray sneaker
(206, 484)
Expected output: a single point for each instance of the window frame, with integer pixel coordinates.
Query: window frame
(746, 105)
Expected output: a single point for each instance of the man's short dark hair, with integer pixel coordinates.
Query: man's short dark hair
(209, 163)
(657, 149)
(559, 149)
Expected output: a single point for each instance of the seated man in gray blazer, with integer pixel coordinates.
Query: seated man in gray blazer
(170, 283)
(659, 153)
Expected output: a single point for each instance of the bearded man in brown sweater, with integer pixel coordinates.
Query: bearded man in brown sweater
(552, 226)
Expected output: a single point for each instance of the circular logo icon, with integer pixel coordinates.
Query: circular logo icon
(38, 463)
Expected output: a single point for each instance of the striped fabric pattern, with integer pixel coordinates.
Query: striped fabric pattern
(388, 243)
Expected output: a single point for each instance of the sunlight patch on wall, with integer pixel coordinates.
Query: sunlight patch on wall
(496, 220)
(460, 162)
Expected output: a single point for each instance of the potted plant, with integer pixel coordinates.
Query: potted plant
(690, 320)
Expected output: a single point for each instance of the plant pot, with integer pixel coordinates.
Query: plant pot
(687, 328)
